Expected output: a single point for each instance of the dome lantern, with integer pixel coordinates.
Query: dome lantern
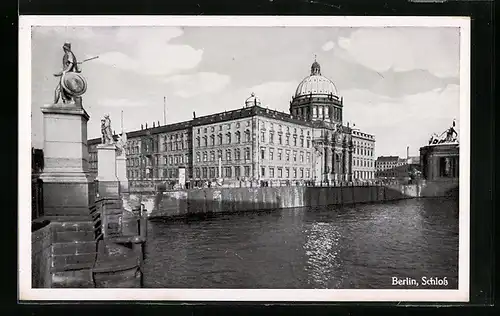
(252, 101)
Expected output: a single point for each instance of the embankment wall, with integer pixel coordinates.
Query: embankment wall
(228, 200)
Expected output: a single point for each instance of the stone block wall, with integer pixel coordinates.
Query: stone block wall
(41, 259)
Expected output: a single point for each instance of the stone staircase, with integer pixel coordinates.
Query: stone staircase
(73, 254)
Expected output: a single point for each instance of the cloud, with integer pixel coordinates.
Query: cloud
(403, 49)
(152, 52)
(187, 86)
(120, 103)
(399, 122)
(67, 33)
(328, 46)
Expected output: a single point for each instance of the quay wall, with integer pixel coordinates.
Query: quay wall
(41, 259)
(185, 203)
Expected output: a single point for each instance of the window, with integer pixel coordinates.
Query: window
(262, 137)
(228, 172)
(229, 138)
(271, 153)
(237, 154)
(271, 172)
(262, 171)
(280, 139)
(280, 154)
(271, 137)
(204, 156)
(170, 160)
(280, 172)
(219, 139)
(308, 157)
(186, 158)
(308, 143)
(205, 130)
(228, 155)
(295, 173)
(287, 155)
(197, 142)
(287, 140)
(237, 125)
(262, 153)
(212, 140)
(220, 128)
(301, 142)
(308, 174)
(212, 172)
(294, 155)
(205, 143)
(301, 156)
(247, 171)
(247, 153)
(301, 172)
(238, 137)
(287, 172)
(204, 172)
(219, 154)
(176, 159)
(212, 156)
(295, 140)
(212, 129)
(237, 171)
(247, 136)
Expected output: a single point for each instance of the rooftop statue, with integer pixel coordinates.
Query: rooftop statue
(107, 135)
(71, 83)
(451, 136)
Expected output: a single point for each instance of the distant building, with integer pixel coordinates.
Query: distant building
(440, 158)
(36, 161)
(254, 143)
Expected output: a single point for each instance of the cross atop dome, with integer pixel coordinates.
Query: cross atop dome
(315, 68)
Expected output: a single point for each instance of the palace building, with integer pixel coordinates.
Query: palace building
(254, 143)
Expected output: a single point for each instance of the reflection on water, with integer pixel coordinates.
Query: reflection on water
(361, 246)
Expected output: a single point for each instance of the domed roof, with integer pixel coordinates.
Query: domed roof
(316, 83)
(252, 101)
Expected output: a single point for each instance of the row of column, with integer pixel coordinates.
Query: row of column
(338, 162)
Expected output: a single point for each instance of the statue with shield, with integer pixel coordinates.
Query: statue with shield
(71, 83)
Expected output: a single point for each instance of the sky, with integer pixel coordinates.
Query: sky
(400, 84)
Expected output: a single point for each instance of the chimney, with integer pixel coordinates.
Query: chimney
(146, 125)
(158, 123)
(407, 152)
(153, 124)
(142, 127)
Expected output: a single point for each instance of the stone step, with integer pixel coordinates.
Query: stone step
(72, 236)
(77, 247)
(73, 262)
(73, 226)
(73, 279)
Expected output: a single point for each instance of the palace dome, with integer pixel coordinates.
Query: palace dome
(316, 83)
(252, 101)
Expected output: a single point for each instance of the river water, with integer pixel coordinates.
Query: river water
(350, 247)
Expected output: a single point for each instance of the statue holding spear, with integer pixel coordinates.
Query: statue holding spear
(71, 83)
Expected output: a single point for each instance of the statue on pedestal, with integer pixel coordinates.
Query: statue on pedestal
(121, 143)
(107, 135)
(71, 84)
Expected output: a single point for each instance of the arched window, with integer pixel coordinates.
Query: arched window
(228, 137)
(238, 137)
(205, 156)
(237, 154)
(212, 140)
(212, 155)
(197, 157)
(228, 155)
(197, 142)
(219, 139)
(205, 143)
(247, 136)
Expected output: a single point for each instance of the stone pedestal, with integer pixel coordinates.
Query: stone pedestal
(106, 171)
(121, 173)
(67, 184)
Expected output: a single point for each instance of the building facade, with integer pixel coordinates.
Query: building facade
(255, 143)
(440, 158)
(363, 164)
